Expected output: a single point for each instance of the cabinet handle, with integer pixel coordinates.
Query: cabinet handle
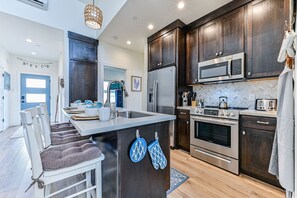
(196, 80)
(260, 122)
(183, 113)
(243, 132)
(217, 54)
(221, 53)
(249, 73)
(187, 122)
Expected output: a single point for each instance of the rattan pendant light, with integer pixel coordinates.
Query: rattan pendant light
(93, 16)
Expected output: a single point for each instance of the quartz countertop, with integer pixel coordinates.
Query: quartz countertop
(92, 127)
(271, 114)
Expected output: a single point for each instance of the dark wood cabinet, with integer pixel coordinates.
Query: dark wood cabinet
(265, 31)
(192, 57)
(162, 51)
(183, 129)
(222, 36)
(209, 40)
(256, 140)
(83, 66)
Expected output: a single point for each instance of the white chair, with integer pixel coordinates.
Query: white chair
(56, 127)
(60, 162)
(57, 138)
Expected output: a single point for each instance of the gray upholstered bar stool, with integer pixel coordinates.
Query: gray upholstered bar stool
(57, 138)
(60, 162)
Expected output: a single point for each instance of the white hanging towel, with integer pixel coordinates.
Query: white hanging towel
(282, 156)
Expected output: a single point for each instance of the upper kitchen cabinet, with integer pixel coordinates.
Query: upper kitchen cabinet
(82, 68)
(265, 30)
(167, 46)
(222, 36)
(162, 51)
(192, 57)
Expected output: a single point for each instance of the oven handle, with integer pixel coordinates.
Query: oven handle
(214, 156)
(215, 121)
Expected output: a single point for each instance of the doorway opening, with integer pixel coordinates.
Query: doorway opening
(116, 91)
(35, 89)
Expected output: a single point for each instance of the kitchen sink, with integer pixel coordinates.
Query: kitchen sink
(133, 114)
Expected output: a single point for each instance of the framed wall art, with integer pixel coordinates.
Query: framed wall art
(136, 83)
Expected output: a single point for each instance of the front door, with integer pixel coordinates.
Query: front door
(35, 89)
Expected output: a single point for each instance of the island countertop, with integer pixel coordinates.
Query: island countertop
(95, 126)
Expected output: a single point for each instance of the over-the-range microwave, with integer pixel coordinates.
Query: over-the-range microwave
(222, 69)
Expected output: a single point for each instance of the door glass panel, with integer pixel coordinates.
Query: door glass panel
(213, 133)
(35, 83)
(35, 98)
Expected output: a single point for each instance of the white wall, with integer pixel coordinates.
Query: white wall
(4, 63)
(65, 15)
(16, 68)
(110, 55)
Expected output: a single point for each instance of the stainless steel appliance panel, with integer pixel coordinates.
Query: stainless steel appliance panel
(231, 151)
(151, 90)
(227, 163)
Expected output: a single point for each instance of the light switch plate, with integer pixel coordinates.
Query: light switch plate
(252, 97)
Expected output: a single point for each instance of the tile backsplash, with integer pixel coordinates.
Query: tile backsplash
(237, 92)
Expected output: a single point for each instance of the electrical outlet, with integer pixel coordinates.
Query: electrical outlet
(252, 97)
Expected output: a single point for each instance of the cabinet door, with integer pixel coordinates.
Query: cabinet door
(183, 130)
(192, 57)
(155, 53)
(82, 81)
(82, 51)
(209, 40)
(256, 147)
(233, 30)
(265, 31)
(168, 49)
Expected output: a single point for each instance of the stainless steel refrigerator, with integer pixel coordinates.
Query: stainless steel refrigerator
(162, 94)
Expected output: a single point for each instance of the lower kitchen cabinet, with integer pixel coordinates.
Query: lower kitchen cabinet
(256, 140)
(183, 129)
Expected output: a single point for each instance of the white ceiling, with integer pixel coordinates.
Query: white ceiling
(47, 41)
(160, 13)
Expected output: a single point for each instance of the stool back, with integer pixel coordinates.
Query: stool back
(46, 128)
(33, 144)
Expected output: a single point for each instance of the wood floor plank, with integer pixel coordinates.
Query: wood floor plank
(207, 181)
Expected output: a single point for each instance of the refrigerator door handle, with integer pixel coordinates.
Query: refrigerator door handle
(156, 96)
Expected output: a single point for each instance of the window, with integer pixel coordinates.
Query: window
(35, 83)
(35, 98)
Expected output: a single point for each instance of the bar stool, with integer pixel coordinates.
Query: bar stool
(58, 138)
(60, 162)
(56, 127)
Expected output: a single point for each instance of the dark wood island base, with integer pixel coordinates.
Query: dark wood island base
(123, 178)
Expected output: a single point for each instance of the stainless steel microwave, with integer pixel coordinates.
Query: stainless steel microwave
(222, 69)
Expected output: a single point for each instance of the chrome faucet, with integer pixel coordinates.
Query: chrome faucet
(107, 102)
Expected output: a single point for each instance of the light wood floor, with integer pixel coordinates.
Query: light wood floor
(205, 181)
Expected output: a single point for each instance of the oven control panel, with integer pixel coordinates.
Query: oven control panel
(222, 113)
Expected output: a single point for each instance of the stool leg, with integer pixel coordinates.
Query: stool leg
(88, 183)
(98, 179)
(47, 189)
(38, 193)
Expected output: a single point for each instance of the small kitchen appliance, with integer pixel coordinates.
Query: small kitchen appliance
(223, 102)
(266, 104)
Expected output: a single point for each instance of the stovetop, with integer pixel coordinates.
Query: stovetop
(214, 111)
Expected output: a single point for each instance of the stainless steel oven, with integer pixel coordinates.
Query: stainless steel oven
(222, 69)
(215, 140)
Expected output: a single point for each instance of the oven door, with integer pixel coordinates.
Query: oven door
(215, 134)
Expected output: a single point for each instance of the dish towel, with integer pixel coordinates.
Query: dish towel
(282, 157)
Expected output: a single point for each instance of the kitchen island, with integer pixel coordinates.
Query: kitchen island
(123, 178)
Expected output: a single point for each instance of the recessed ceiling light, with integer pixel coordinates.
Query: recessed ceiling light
(129, 42)
(150, 26)
(29, 40)
(33, 53)
(181, 5)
